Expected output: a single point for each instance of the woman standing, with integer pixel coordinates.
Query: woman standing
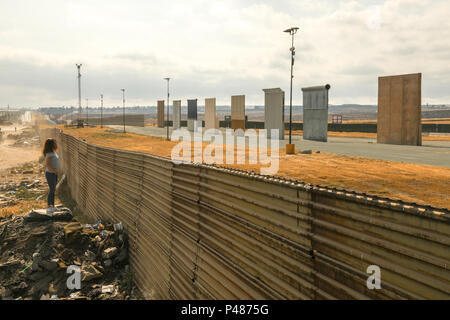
(51, 169)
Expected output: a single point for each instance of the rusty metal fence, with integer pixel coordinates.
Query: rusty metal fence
(203, 232)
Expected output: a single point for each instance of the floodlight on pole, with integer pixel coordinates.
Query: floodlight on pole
(123, 97)
(168, 95)
(79, 90)
(292, 31)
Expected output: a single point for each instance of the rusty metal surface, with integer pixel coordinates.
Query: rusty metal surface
(204, 232)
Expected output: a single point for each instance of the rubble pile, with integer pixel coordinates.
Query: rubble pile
(24, 183)
(27, 138)
(38, 250)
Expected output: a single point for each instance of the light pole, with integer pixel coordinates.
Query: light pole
(123, 97)
(101, 111)
(168, 95)
(87, 111)
(79, 91)
(290, 148)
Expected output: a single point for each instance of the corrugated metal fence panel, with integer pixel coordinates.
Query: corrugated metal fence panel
(241, 226)
(155, 228)
(412, 250)
(202, 232)
(105, 182)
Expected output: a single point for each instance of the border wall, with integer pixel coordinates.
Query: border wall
(345, 127)
(136, 120)
(203, 232)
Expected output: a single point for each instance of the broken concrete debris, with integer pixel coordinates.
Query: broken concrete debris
(37, 250)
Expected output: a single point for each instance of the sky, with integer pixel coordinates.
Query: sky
(217, 49)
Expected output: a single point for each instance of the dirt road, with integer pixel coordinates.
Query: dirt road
(11, 156)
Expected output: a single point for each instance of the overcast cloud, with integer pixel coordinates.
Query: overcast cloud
(217, 49)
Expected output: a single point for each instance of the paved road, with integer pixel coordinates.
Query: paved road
(435, 153)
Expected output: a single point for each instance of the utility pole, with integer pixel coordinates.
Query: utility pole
(79, 90)
(290, 149)
(123, 97)
(168, 95)
(101, 111)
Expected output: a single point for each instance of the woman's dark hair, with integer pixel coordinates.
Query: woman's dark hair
(49, 146)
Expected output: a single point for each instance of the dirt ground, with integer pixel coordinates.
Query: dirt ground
(409, 182)
(12, 156)
(22, 181)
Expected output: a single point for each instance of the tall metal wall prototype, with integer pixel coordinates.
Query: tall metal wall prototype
(211, 121)
(399, 109)
(192, 113)
(315, 113)
(176, 114)
(160, 110)
(274, 112)
(238, 112)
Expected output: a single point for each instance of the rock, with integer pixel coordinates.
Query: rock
(49, 265)
(108, 289)
(306, 152)
(5, 293)
(95, 292)
(38, 275)
(41, 286)
(90, 255)
(89, 272)
(110, 253)
(59, 214)
(36, 261)
(72, 232)
(59, 288)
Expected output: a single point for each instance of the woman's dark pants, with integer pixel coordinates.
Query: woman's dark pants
(52, 180)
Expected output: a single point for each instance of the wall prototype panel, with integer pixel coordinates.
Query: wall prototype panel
(238, 112)
(176, 114)
(399, 110)
(211, 121)
(160, 113)
(192, 113)
(274, 112)
(315, 113)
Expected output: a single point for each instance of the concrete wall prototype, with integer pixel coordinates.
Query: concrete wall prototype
(176, 114)
(202, 232)
(399, 110)
(211, 120)
(315, 113)
(192, 114)
(160, 116)
(238, 112)
(274, 112)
